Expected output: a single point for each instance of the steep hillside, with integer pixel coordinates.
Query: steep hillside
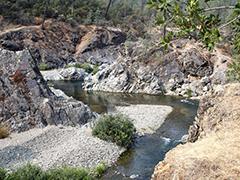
(216, 153)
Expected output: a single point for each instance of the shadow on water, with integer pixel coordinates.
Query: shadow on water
(140, 160)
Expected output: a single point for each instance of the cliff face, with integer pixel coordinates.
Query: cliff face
(60, 43)
(27, 102)
(140, 66)
(216, 153)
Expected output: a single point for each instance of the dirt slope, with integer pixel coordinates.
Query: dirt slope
(216, 154)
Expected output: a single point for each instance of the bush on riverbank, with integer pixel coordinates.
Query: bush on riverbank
(31, 172)
(118, 129)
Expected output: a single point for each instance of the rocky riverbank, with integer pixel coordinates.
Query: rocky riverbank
(60, 145)
(121, 65)
(26, 100)
(216, 136)
(56, 146)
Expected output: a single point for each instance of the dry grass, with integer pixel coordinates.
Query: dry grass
(4, 131)
(216, 155)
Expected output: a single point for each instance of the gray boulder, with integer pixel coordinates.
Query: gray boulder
(26, 101)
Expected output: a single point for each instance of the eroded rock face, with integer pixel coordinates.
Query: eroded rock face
(25, 99)
(141, 66)
(186, 71)
(60, 43)
(216, 136)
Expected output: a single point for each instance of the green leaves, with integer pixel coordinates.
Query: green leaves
(191, 21)
(118, 129)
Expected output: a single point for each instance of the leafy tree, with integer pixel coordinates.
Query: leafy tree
(198, 19)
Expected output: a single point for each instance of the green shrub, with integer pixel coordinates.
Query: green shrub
(189, 93)
(67, 173)
(43, 67)
(3, 173)
(27, 172)
(233, 72)
(87, 67)
(99, 170)
(118, 129)
(95, 69)
(31, 172)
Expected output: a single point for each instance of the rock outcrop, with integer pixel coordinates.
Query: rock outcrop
(215, 153)
(188, 70)
(141, 66)
(25, 99)
(60, 43)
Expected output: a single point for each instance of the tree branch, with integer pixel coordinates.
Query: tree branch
(229, 22)
(218, 8)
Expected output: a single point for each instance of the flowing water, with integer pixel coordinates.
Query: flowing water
(147, 151)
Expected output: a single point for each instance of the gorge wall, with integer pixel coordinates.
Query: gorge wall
(25, 99)
(123, 65)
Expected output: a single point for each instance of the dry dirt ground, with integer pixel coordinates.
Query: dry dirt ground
(216, 155)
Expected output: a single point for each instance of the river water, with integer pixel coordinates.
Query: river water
(147, 151)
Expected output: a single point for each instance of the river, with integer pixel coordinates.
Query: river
(139, 161)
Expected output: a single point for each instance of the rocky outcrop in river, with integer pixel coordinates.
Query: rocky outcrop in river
(25, 99)
(215, 153)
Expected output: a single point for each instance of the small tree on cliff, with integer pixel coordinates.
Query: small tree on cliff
(198, 19)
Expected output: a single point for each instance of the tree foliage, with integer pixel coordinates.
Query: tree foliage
(83, 11)
(198, 19)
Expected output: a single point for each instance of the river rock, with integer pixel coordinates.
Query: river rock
(146, 118)
(73, 73)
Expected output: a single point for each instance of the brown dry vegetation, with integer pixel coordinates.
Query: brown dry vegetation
(4, 131)
(216, 155)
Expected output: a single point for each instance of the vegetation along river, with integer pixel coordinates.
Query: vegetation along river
(147, 151)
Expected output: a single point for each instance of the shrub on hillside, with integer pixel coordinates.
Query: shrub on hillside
(118, 129)
(4, 132)
(233, 72)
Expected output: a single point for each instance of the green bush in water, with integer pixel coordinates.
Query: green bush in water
(118, 129)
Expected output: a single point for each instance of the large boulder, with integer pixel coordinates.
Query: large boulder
(25, 99)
